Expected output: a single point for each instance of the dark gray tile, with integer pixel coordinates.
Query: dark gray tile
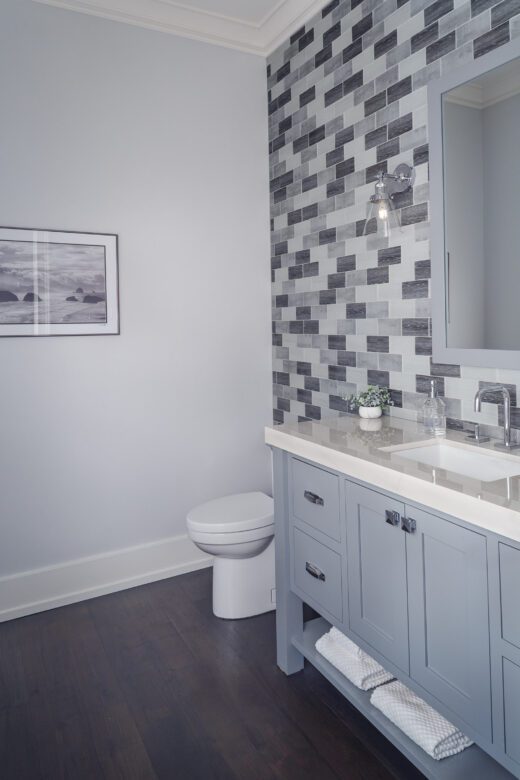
(424, 37)
(399, 126)
(413, 214)
(479, 6)
(380, 378)
(388, 149)
(356, 311)
(375, 137)
(375, 103)
(344, 136)
(327, 236)
(337, 342)
(336, 281)
(335, 156)
(496, 398)
(378, 344)
(337, 372)
(310, 182)
(303, 368)
(346, 263)
(347, 359)
(421, 155)
(389, 256)
(423, 384)
(399, 90)
(336, 93)
(415, 289)
(377, 275)
(504, 11)
(444, 369)
(489, 41)
(327, 297)
(423, 345)
(352, 83)
(352, 51)
(361, 27)
(332, 33)
(422, 269)
(441, 47)
(385, 44)
(416, 326)
(436, 10)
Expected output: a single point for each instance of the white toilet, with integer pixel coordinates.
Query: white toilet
(239, 531)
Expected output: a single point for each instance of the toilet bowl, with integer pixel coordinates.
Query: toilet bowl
(238, 531)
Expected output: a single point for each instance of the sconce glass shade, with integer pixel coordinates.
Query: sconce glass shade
(382, 217)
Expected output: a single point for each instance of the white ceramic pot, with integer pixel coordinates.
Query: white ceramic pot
(370, 412)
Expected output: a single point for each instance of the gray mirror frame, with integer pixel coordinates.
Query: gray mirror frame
(484, 358)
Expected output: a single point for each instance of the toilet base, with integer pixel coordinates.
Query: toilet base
(243, 587)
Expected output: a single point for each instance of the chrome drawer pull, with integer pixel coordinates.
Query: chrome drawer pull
(313, 498)
(409, 525)
(392, 517)
(314, 571)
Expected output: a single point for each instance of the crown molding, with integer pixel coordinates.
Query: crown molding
(169, 16)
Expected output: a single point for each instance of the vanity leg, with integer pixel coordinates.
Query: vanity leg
(289, 608)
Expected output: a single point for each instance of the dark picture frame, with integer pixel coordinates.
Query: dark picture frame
(58, 283)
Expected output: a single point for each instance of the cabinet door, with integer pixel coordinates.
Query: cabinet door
(376, 549)
(449, 620)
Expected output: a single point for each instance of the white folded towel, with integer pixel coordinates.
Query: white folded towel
(433, 733)
(351, 660)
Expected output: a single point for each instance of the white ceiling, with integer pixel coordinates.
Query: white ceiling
(256, 26)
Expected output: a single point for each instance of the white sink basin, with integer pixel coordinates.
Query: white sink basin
(468, 461)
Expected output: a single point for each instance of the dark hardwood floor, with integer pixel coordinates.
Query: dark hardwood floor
(147, 683)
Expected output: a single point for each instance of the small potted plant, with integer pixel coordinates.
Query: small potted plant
(372, 401)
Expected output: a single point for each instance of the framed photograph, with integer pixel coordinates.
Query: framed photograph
(56, 283)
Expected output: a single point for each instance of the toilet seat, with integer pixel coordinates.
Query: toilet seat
(232, 537)
(233, 515)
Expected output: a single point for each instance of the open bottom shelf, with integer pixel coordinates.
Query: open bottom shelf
(473, 763)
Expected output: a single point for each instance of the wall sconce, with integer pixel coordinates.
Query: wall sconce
(383, 217)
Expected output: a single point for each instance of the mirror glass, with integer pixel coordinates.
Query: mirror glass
(481, 135)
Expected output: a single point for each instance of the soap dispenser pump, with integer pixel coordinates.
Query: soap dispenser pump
(434, 413)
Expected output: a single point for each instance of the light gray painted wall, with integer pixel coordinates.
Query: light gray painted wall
(108, 441)
(464, 204)
(501, 223)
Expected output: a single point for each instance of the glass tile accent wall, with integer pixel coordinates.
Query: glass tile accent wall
(347, 98)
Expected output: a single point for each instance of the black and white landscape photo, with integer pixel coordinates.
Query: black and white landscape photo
(57, 283)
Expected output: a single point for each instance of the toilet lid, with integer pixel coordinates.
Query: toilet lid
(240, 512)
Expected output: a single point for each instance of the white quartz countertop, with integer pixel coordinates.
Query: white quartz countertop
(341, 444)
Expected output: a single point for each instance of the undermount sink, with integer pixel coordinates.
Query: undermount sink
(468, 461)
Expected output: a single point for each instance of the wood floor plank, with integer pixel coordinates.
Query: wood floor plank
(147, 684)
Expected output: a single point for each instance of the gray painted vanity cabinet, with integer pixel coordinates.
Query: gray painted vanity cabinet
(418, 591)
(417, 587)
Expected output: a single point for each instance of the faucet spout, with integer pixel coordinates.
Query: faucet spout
(506, 400)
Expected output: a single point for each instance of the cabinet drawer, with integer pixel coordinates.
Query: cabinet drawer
(509, 590)
(317, 573)
(315, 498)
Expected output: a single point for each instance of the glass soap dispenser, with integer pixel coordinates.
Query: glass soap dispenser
(434, 413)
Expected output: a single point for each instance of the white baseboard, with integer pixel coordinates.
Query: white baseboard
(84, 578)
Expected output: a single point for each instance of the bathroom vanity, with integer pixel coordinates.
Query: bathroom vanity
(415, 562)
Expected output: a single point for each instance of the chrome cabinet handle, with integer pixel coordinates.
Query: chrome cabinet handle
(313, 570)
(391, 517)
(313, 498)
(409, 525)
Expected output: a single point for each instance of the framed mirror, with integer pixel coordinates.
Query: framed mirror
(474, 121)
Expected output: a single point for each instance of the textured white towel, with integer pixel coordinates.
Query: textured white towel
(433, 733)
(351, 660)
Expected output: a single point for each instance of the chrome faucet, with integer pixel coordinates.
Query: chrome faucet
(507, 412)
